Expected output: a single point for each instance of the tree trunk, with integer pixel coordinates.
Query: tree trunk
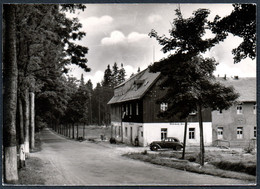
(90, 109)
(73, 132)
(122, 136)
(202, 150)
(21, 135)
(26, 122)
(99, 111)
(184, 138)
(69, 130)
(84, 131)
(10, 97)
(32, 121)
(77, 131)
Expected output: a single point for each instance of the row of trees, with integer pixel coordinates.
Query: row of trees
(38, 46)
(189, 81)
(88, 105)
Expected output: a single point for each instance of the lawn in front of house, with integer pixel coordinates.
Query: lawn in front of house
(224, 163)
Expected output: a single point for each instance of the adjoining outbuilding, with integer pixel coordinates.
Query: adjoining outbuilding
(236, 126)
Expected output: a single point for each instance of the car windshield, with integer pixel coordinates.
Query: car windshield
(171, 140)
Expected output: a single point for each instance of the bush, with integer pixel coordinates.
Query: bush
(192, 159)
(236, 166)
(248, 149)
(112, 140)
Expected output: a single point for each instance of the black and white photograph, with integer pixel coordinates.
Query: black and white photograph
(129, 94)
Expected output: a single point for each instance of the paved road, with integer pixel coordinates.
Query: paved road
(73, 163)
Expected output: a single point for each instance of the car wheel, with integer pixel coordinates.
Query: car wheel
(154, 148)
(178, 148)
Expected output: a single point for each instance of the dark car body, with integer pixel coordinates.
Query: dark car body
(169, 142)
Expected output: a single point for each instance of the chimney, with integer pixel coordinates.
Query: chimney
(225, 77)
(236, 77)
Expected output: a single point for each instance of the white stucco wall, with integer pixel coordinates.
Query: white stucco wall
(152, 132)
(137, 128)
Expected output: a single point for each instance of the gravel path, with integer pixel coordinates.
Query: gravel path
(70, 162)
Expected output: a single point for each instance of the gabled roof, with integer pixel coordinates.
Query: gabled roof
(245, 86)
(135, 87)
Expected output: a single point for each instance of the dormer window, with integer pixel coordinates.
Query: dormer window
(239, 109)
(138, 83)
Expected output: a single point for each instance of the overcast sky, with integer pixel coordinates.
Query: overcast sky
(119, 33)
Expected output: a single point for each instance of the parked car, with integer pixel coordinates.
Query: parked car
(169, 142)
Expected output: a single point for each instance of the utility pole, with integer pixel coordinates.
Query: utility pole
(184, 139)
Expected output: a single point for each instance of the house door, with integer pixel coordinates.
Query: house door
(131, 135)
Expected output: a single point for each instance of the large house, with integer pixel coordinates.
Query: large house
(134, 114)
(237, 125)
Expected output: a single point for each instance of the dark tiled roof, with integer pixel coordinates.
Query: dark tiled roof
(245, 86)
(135, 87)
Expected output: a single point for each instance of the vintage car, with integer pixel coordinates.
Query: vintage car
(169, 142)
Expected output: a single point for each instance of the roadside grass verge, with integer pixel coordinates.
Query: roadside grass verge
(185, 165)
(32, 173)
(231, 161)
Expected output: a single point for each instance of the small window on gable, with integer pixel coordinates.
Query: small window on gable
(255, 132)
(239, 109)
(164, 107)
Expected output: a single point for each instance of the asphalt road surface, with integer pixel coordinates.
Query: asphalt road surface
(70, 162)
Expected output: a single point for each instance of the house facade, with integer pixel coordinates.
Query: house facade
(134, 114)
(236, 127)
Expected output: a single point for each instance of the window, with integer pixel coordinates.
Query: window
(220, 132)
(254, 131)
(119, 131)
(142, 133)
(137, 110)
(239, 132)
(163, 134)
(126, 110)
(126, 131)
(191, 133)
(239, 109)
(164, 107)
(254, 108)
(130, 109)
